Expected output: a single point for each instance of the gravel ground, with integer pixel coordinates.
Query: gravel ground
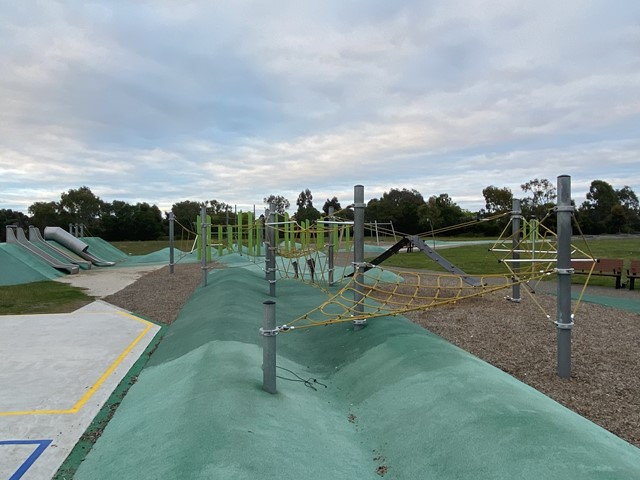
(160, 295)
(515, 337)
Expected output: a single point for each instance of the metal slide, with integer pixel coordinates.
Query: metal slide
(74, 244)
(443, 262)
(429, 252)
(389, 252)
(16, 235)
(36, 239)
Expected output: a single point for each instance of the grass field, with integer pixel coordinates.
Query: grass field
(477, 259)
(41, 297)
(141, 248)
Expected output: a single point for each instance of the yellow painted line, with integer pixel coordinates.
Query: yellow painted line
(94, 388)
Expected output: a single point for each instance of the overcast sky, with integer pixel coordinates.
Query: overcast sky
(163, 101)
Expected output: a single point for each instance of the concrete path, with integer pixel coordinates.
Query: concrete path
(57, 372)
(101, 282)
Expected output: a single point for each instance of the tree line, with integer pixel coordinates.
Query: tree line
(604, 210)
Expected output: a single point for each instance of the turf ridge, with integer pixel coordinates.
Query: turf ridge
(399, 402)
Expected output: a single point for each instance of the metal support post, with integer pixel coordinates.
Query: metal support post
(330, 248)
(358, 253)
(171, 241)
(516, 216)
(269, 332)
(203, 243)
(377, 234)
(271, 250)
(564, 319)
(265, 237)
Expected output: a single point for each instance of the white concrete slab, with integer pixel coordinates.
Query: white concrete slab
(57, 372)
(102, 281)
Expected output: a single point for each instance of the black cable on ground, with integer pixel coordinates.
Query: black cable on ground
(307, 382)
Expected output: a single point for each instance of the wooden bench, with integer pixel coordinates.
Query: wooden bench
(605, 267)
(633, 272)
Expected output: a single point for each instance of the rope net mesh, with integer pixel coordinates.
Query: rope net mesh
(185, 242)
(528, 255)
(381, 292)
(304, 252)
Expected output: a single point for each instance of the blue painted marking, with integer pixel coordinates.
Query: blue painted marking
(41, 447)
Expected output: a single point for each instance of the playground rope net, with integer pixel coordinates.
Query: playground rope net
(305, 252)
(381, 292)
(186, 242)
(529, 255)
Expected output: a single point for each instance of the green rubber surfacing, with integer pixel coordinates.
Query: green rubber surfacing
(399, 402)
(20, 266)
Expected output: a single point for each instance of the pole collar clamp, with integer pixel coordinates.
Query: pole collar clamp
(564, 326)
(564, 208)
(269, 333)
(275, 331)
(362, 265)
(564, 271)
(359, 322)
(359, 205)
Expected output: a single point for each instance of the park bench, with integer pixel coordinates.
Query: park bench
(633, 272)
(605, 267)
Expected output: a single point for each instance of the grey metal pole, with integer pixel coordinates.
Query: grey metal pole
(358, 253)
(516, 216)
(203, 243)
(377, 234)
(271, 248)
(266, 243)
(331, 248)
(171, 241)
(564, 320)
(269, 332)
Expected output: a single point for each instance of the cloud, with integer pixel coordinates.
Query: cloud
(165, 101)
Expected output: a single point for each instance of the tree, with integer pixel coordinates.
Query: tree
(543, 195)
(44, 214)
(306, 210)
(117, 221)
(281, 203)
(147, 222)
(438, 212)
(617, 219)
(398, 206)
(629, 202)
(607, 210)
(81, 206)
(595, 212)
(221, 213)
(601, 195)
(497, 200)
(628, 199)
(185, 213)
(11, 217)
(331, 203)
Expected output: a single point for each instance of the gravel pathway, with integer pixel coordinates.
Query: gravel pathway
(159, 295)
